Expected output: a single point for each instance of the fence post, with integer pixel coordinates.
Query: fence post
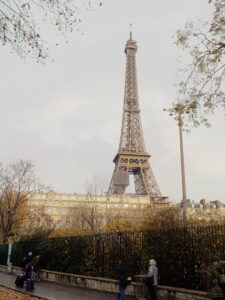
(103, 258)
(9, 264)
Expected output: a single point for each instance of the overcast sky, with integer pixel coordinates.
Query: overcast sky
(66, 115)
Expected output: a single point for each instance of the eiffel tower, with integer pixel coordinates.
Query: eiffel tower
(132, 157)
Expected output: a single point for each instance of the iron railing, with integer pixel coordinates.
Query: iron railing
(3, 254)
(182, 254)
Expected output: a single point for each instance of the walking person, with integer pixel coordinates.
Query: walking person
(36, 268)
(24, 273)
(26, 260)
(122, 280)
(152, 279)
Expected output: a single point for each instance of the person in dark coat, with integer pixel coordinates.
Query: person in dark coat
(26, 260)
(25, 272)
(26, 264)
(122, 279)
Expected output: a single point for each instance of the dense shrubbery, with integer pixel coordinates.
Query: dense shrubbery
(3, 254)
(182, 254)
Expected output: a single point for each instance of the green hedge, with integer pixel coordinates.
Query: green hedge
(182, 254)
(3, 254)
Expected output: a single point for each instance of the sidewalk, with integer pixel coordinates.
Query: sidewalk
(55, 291)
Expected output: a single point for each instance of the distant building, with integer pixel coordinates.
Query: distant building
(66, 208)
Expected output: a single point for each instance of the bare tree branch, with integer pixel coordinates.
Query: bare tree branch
(20, 23)
(201, 89)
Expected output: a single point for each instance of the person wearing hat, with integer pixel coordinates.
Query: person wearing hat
(28, 266)
(26, 259)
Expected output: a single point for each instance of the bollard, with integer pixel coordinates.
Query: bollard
(9, 264)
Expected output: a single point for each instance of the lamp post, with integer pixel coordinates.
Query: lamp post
(179, 110)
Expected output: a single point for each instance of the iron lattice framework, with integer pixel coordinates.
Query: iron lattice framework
(132, 156)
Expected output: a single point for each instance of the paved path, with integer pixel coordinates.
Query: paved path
(55, 291)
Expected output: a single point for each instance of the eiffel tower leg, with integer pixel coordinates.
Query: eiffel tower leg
(145, 184)
(152, 185)
(140, 183)
(115, 188)
(111, 186)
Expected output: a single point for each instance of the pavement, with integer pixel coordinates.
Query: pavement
(56, 291)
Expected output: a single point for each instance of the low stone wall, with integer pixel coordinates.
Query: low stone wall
(173, 293)
(110, 285)
(89, 282)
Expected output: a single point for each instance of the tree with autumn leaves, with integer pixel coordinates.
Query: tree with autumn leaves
(17, 183)
(201, 87)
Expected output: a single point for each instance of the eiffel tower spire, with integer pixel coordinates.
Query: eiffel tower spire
(132, 156)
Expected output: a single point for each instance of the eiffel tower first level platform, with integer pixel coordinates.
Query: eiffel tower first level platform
(132, 157)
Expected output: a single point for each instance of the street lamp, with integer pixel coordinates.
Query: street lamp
(179, 110)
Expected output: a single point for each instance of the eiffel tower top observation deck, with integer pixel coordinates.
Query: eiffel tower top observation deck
(132, 157)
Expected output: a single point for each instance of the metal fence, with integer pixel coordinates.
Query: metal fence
(3, 254)
(182, 254)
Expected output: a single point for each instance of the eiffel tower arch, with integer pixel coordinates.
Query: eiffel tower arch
(132, 157)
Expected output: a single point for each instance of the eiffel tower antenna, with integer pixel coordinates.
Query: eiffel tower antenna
(131, 31)
(132, 157)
